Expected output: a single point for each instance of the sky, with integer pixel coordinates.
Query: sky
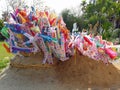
(57, 5)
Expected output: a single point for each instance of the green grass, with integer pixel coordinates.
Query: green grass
(4, 57)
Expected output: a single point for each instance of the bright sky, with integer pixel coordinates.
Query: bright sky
(57, 5)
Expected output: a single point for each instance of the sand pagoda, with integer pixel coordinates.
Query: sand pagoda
(40, 39)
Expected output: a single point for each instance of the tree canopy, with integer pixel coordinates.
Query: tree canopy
(106, 12)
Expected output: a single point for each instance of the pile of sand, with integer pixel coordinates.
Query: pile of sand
(77, 71)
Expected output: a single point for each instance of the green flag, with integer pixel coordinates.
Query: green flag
(4, 32)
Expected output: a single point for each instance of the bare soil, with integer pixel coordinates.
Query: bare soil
(77, 73)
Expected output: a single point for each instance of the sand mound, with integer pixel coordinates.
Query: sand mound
(83, 71)
(88, 73)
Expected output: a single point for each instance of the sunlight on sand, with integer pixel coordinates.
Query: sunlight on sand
(116, 63)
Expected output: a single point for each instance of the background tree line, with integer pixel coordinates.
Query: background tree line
(106, 12)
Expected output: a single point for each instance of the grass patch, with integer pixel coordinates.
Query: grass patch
(4, 57)
(4, 63)
(3, 52)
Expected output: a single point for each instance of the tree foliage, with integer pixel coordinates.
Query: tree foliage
(107, 12)
(70, 18)
(1, 26)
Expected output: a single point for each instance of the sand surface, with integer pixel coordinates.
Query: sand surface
(80, 74)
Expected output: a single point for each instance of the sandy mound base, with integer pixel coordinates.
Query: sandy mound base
(82, 72)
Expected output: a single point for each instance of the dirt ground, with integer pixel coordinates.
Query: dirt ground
(81, 73)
